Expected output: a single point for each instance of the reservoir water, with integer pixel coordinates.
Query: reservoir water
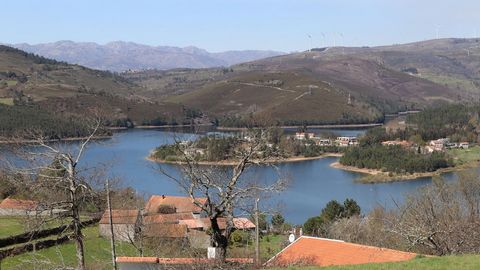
(312, 183)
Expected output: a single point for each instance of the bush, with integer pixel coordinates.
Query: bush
(239, 238)
(167, 209)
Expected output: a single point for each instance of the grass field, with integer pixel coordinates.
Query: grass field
(16, 225)
(466, 262)
(464, 156)
(269, 246)
(6, 101)
(11, 226)
(97, 251)
(11, 82)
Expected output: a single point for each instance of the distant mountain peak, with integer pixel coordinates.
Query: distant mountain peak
(126, 55)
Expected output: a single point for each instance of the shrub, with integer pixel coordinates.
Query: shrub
(167, 209)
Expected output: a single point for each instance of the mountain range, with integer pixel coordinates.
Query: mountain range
(320, 86)
(120, 56)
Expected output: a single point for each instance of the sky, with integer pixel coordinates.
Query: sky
(219, 25)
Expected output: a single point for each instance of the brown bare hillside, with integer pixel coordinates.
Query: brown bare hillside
(72, 90)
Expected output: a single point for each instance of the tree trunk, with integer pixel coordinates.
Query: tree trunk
(78, 236)
(77, 226)
(218, 240)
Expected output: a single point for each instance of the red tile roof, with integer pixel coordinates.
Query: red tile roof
(137, 259)
(204, 223)
(166, 218)
(324, 252)
(182, 204)
(18, 204)
(197, 223)
(154, 260)
(165, 230)
(243, 223)
(120, 216)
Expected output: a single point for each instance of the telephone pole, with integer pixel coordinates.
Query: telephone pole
(257, 235)
(110, 220)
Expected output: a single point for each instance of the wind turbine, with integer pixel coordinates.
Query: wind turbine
(342, 42)
(311, 44)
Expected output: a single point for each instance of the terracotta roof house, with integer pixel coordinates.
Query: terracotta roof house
(125, 224)
(13, 207)
(326, 252)
(136, 263)
(197, 228)
(205, 224)
(166, 218)
(165, 230)
(180, 204)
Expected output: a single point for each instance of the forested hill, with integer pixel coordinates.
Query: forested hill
(38, 88)
(337, 85)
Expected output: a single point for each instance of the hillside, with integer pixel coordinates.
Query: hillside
(338, 85)
(376, 80)
(290, 97)
(451, 62)
(41, 87)
(121, 56)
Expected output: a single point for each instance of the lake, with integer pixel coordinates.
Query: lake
(313, 183)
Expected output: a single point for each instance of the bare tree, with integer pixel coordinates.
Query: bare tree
(56, 180)
(442, 218)
(227, 188)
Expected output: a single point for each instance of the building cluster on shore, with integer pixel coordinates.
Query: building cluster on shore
(438, 145)
(343, 141)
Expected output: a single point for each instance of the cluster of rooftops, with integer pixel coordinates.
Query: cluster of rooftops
(169, 217)
(342, 141)
(187, 216)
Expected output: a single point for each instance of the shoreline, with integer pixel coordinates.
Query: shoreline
(373, 176)
(312, 126)
(172, 126)
(72, 139)
(222, 128)
(233, 163)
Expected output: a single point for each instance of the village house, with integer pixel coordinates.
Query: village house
(13, 207)
(328, 252)
(192, 152)
(323, 142)
(203, 224)
(346, 141)
(197, 229)
(464, 145)
(124, 222)
(304, 135)
(165, 232)
(179, 204)
(169, 219)
(163, 216)
(437, 145)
